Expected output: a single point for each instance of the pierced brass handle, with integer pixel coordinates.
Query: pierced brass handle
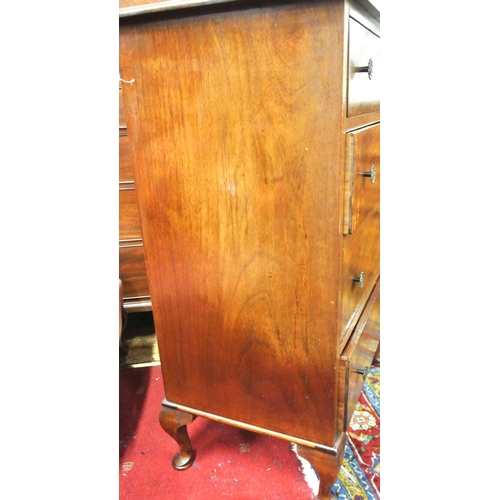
(360, 279)
(367, 69)
(363, 372)
(371, 174)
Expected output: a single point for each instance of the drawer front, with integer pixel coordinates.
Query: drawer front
(133, 271)
(121, 115)
(362, 176)
(126, 173)
(130, 227)
(361, 257)
(372, 326)
(363, 88)
(360, 362)
(357, 358)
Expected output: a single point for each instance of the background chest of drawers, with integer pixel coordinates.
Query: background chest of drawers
(256, 159)
(132, 268)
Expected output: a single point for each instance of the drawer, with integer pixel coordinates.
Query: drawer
(130, 226)
(362, 176)
(132, 271)
(121, 115)
(363, 86)
(126, 172)
(372, 326)
(360, 258)
(357, 358)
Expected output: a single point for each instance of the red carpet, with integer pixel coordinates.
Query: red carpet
(230, 462)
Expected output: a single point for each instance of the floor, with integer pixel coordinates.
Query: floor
(138, 346)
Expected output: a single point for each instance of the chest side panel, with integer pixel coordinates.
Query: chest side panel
(235, 126)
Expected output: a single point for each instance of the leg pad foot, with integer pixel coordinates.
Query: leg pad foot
(326, 464)
(174, 423)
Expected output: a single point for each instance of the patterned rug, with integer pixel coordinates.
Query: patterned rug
(359, 477)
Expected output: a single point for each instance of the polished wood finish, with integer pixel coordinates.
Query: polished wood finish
(126, 175)
(363, 92)
(237, 119)
(121, 111)
(362, 176)
(175, 422)
(361, 254)
(357, 357)
(247, 179)
(130, 226)
(132, 271)
(134, 7)
(372, 326)
(132, 268)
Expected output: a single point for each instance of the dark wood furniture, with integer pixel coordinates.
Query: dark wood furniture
(254, 137)
(134, 288)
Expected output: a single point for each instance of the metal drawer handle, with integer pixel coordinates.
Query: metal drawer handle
(363, 372)
(360, 279)
(367, 69)
(371, 174)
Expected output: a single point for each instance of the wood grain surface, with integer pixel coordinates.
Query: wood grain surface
(361, 194)
(361, 255)
(133, 270)
(235, 119)
(130, 226)
(363, 92)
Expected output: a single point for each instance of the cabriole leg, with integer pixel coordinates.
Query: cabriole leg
(174, 423)
(326, 464)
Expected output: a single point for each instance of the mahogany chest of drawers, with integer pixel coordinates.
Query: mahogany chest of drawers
(254, 137)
